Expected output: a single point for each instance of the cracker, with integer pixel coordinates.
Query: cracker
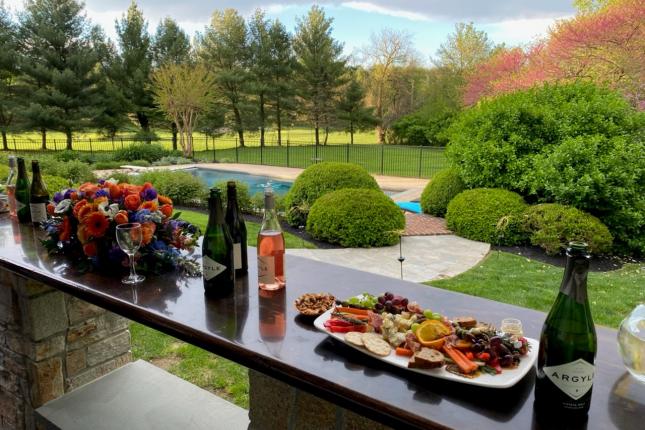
(355, 338)
(377, 345)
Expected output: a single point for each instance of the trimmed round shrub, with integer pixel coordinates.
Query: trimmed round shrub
(356, 218)
(257, 203)
(74, 170)
(552, 226)
(574, 144)
(243, 197)
(442, 188)
(141, 151)
(487, 215)
(182, 187)
(320, 179)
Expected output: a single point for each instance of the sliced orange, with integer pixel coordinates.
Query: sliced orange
(432, 333)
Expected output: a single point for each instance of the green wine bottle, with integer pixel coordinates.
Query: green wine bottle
(38, 196)
(22, 193)
(565, 366)
(237, 228)
(217, 251)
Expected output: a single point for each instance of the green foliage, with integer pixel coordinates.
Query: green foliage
(140, 163)
(172, 160)
(464, 48)
(121, 177)
(257, 203)
(318, 180)
(106, 165)
(443, 187)
(415, 129)
(171, 44)
(352, 112)
(487, 215)
(182, 187)
(55, 184)
(552, 226)
(574, 144)
(141, 151)
(243, 197)
(4, 173)
(74, 170)
(356, 218)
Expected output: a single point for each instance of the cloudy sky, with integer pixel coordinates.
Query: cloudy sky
(429, 21)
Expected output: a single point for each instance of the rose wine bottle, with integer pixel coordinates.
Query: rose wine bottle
(237, 228)
(217, 251)
(22, 193)
(271, 247)
(565, 367)
(11, 187)
(38, 196)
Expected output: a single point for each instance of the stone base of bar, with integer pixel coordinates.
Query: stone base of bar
(275, 405)
(50, 344)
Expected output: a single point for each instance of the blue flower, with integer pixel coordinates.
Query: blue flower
(101, 181)
(68, 193)
(58, 197)
(101, 193)
(159, 245)
(149, 194)
(142, 216)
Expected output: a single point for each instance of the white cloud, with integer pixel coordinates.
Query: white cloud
(520, 30)
(382, 10)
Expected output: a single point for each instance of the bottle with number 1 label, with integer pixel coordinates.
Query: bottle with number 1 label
(217, 250)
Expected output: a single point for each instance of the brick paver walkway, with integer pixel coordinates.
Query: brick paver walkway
(424, 225)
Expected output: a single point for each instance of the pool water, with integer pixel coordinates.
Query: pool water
(256, 183)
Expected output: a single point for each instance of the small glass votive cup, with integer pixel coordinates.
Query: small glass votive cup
(512, 326)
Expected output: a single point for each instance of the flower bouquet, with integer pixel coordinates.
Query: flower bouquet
(83, 226)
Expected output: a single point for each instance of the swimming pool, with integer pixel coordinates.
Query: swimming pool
(256, 183)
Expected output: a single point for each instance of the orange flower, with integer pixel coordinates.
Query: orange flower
(50, 209)
(74, 196)
(128, 189)
(90, 249)
(166, 210)
(89, 189)
(96, 224)
(146, 186)
(82, 235)
(99, 201)
(151, 205)
(132, 202)
(121, 217)
(164, 200)
(115, 191)
(78, 206)
(85, 211)
(147, 232)
(65, 229)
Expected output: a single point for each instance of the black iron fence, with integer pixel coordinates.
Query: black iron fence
(394, 160)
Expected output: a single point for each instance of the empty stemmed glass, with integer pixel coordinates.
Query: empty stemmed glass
(128, 236)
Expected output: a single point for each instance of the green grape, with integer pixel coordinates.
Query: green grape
(428, 313)
(414, 327)
(436, 316)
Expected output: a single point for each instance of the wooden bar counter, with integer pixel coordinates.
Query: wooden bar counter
(264, 333)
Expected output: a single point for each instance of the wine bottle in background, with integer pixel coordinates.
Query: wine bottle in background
(565, 366)
(38, 196)
(217, 250)
(237, 228)
(271, 247)
(11, 186)
(22, 193)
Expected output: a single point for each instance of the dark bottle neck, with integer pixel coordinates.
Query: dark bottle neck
(216, 214)
(574, 283)
(231, 204)
(22, 171)
(35, 170)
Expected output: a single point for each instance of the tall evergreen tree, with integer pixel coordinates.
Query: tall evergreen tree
(320, 67)
(59, 66)
(135, 64)
(352, 110)
(281, 91)
(9, 99)
(171, 46)
(260, 65)
(224, 50)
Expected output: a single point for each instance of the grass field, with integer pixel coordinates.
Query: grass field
(216, 374)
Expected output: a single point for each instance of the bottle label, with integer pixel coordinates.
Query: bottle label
(20, 205)
(237, 255)
(574, 379)
(266, 269)
(38, 212)
(211, 268)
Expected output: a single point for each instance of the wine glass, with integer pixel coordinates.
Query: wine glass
(128, 236)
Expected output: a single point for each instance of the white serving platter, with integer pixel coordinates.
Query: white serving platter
(506, 379)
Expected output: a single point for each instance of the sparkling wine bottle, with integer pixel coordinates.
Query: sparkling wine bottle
(217, 251)
(38, 196)
(22, 193)
(237, 228)
(271, 247)
(565, 367)
(11, 187)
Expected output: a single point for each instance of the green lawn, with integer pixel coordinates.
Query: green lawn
(216, 374)
(532, 284)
